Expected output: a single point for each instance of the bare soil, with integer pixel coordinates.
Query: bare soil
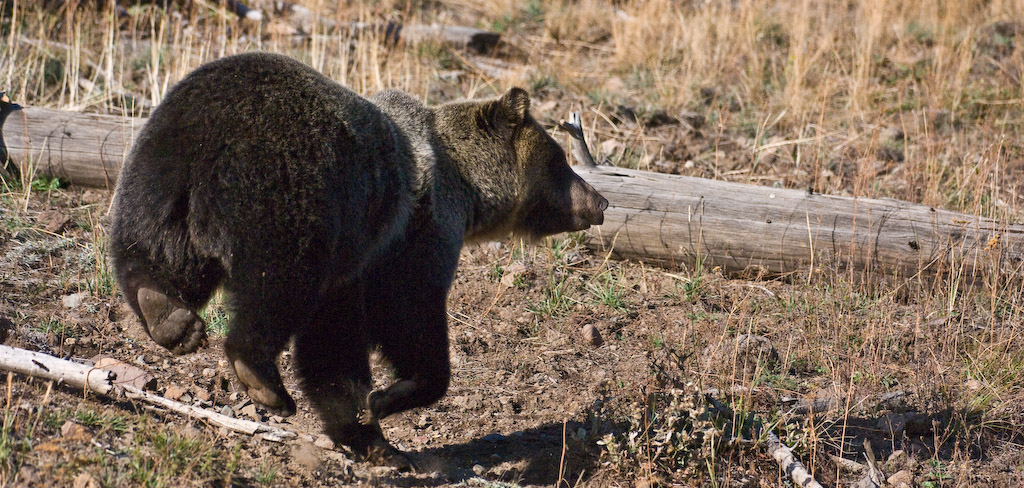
(536, 399)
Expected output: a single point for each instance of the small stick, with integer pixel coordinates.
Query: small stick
(789, 463)
(89, 378)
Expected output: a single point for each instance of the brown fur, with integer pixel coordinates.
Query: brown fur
(328, 218)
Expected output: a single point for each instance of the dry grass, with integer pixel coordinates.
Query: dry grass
(917, 100)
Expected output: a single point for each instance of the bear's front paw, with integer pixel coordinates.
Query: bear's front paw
(381, 453)
(371, 414)
(170, 323)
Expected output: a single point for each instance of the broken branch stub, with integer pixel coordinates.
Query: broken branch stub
(578, 143)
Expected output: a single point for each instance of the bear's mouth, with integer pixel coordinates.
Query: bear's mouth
(591, 213)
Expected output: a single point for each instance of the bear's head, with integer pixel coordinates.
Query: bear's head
(517, 172)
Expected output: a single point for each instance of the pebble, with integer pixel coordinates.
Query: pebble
(73, 431)
(227, 411)
(324, 442)
(250, 411)
(174, 392)
(591, 335)
(493, 437)
(84, 480)
(209, 372)
(901, 478)
(202, 395)
(479, 470)
(75, 299)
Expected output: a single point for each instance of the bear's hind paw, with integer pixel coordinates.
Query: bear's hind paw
(170, 323)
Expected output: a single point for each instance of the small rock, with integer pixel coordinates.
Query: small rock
(513, 271)
(495, 437)
(479, 470)
(306, 454)
(547, 107)
(227, 411)
(973, 385)
(893, 424)
(202, 395)
(73, 432)
(250, 411)
(75, 299)
(126, 373)
(614, 85)
(53, 221)
(323, 442)
(896, 460)
(901, 478)
(209, 372)
(85, 480)
(6, 326)
(93, 196)
(174, 392)
(752, 350)
(591, 335)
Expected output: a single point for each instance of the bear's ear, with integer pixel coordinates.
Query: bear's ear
(515, 105)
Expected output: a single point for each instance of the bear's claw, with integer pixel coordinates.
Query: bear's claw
(370, 414)
(169, 323)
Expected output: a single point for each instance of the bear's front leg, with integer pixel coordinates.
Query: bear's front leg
(415, 342)
(332, 359)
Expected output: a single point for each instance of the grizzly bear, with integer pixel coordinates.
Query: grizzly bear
(330, 219)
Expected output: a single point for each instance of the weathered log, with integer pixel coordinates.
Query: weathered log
(672, 220)
(478, 40)
(662, 219)
(80, 149)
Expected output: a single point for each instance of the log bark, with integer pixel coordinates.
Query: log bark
(672, 220)
(668, 220)
(80, 149)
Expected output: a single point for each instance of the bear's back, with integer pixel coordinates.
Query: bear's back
(262, 158)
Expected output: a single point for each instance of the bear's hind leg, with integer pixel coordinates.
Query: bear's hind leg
(255, 339)
(167, 307)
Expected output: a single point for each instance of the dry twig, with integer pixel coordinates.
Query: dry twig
(89, 378)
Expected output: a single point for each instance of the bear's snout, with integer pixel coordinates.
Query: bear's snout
(588, 205)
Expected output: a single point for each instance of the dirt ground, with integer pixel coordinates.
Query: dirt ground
(569, 369)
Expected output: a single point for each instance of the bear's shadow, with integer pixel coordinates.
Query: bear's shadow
(528, 457)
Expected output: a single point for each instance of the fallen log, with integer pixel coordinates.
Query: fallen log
(672, 220)
(668, 220)
(80, 149)
(478, 40)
